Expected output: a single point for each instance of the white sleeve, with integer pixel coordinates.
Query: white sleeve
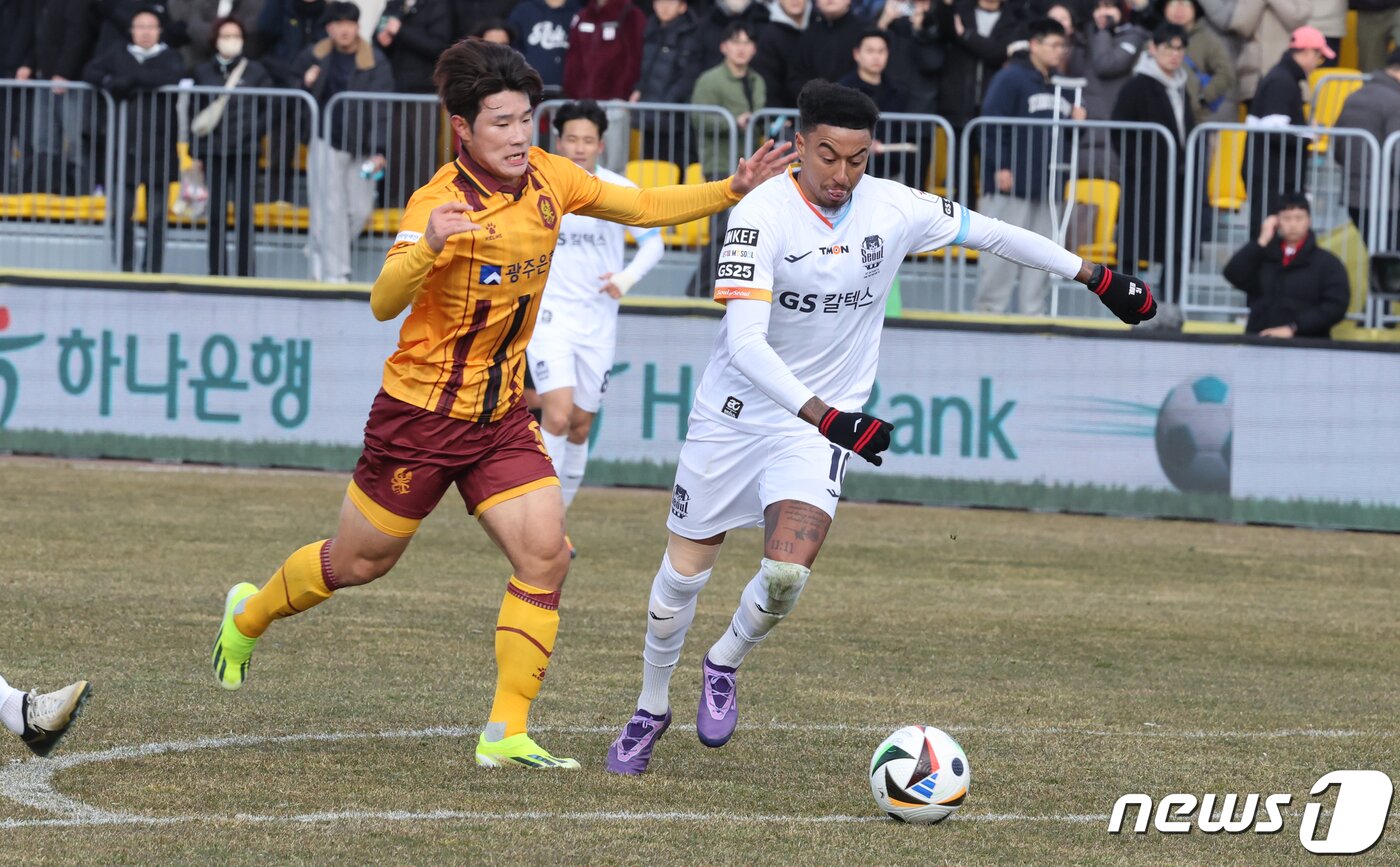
(1021, 246)
(934, 221)
(649, 252)
(747, 322)
(746, 260)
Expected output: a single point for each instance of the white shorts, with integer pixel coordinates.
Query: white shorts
(559, 361)
(725, 478)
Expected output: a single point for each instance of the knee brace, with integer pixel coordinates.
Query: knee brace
(781, 583)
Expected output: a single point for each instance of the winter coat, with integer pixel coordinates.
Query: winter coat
(718, 86)
(777, 60)
(1330, 16)
(1279, 97)
(825, 50)
(285, 27)
(150, 116)
(542, 35)
(370, 121)
(67, 34)
(425, 32)
(245, 119)
(1312, 292)
(1374, 5)
(972, 59)
(1019, 90)
(1375, 108)
(605, 51)
(714, 23)
(1266, 27)
(1206, 58)
(114, 29)
(670, 59)
(1149, 190)
(17, 39)
(887, 96)
(198, 18)
(916, 61)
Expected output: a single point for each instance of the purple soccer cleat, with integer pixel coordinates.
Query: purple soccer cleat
(631, 752)
(719, 705)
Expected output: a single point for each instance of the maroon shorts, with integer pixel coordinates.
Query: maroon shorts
(412, 455)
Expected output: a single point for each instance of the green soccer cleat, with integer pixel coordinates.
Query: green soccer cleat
(519, 751)
(233, 650)
(48, 717)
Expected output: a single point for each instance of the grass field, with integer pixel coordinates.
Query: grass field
(1076, 659)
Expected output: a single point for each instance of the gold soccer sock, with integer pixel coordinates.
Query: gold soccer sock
(303, 582)
(525, 632)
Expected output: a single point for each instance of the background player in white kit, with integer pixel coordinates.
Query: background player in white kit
(807, 262)
(571, 352)
(41, 719)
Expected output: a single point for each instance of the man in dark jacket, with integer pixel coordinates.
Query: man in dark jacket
(825, 50)
(412, 35)
(16, 62)
(542, 35)
(67, 31)
(917, 54)
(670, 65)
(977, 34)
(1014, 165)
(1295, 288)
(132, 74)
(1376, 109)
(1158, 94)
(356, 132)
(1276, 161)
(285, 27)
(603, 62)
(778, 49)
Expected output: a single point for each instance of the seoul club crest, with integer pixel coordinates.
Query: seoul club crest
(548, 213)
(872, 252)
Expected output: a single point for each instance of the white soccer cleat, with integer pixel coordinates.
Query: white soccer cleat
(48, 717)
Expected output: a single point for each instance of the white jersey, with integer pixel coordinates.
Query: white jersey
(828, 283)
(572, 307)
(828, 280)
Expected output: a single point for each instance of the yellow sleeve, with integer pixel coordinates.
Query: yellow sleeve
(401, 279)
(643, 209)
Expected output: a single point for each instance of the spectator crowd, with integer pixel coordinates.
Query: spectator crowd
(1177, 63)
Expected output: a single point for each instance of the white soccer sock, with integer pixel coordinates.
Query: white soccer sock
(670, 611)
(767, 599)
(571, 474)
(11, 707)
(556, 444)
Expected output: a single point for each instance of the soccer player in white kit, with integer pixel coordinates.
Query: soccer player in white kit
(804, 271)
(41, 719)
(571, 352)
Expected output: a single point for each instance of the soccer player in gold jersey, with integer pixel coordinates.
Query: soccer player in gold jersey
(471, 260)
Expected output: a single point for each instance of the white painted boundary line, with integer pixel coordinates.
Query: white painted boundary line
(30, 783)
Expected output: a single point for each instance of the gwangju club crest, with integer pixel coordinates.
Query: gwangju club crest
(548, 213)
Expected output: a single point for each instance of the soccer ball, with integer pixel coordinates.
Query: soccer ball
(1194, 433)
(919, 775)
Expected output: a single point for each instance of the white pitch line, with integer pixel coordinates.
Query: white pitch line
(30, 783)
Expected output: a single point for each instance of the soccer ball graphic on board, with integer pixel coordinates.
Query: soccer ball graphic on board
(1194, 434)
(919, 775)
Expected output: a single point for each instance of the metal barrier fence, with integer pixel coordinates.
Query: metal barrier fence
(656, 144)
(1386, 310)
(1107, 190)
(57, 149)
(1238, 172)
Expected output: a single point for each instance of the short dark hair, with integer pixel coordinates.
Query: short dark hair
(822, 102)
(219, 25)
(873, 33)
(1039, 28)
(1166, 32)
(583, 109)
(1292, 202)
(474, 69)
(737, 27)
(490, 24)
(340, 10)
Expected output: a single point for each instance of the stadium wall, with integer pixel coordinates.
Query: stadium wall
(1017, 416)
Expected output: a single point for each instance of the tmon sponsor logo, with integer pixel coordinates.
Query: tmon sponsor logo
(1358, 820)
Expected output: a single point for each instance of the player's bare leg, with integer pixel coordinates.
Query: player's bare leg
(793, 535)
(685, 567)
(529, 530)
(359, 553)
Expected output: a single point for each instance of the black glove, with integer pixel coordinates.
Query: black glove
(863, 434)
(1129, 298)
